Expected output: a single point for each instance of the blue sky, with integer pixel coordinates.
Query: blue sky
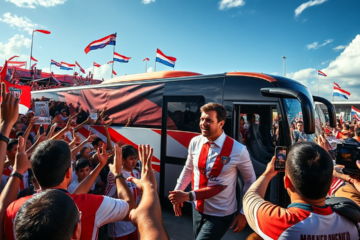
(207, 36)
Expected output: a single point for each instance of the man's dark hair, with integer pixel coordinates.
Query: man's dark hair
(346, 127)
(20, 134)
(310, 168)
(11, 144)
(357, 132)
(218, 108)
(63, 110)
(96, 141)
(300, 122)
(50, 161)
(51, 214)
(128, 150)
(81, 163)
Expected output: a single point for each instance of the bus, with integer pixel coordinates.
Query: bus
(163, 109)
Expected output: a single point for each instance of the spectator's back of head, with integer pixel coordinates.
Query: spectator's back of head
(310, 169)
(51, 214)
(50, 162)
(357, 132)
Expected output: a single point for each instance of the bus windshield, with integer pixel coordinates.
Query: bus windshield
(294, 115)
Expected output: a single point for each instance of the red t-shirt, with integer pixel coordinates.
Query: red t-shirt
(96, 211)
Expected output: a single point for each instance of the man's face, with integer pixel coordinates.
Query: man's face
(100, 144)
(28, 144)
(300, 127)
(86, 153)
(11, 154)
(63, 114)
(129, 163)
(82, 173)
(209, 124)
(58, 116)
(18, 127)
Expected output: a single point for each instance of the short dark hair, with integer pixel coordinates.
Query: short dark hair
(128, 150)
(50, 161)
(300, 122)
(81, 163)
(20, 134)
(347, 127)
(50, 213)
(96, 141)
(218, 108)
(310, 168)
(11, 144)
(357, 132)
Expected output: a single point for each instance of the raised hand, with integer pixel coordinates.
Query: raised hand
(91, 137)
(103, 157)
(22, 163)
(115, 168)
(147, 173)
(9, 109)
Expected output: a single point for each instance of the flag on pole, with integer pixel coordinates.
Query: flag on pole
(146, 59)
(101, 43)
(110, 62)
(33, 59)
(55, 63)
(356, 117)
(321, 73)
(355, 111)
(114, 72)
(23, 92)
(16, 56)
(42, 31)
(339, 92)
(121, 58)
(96, 65)
(33, 65)
(66, 66)
(81, 69)
(166, 60)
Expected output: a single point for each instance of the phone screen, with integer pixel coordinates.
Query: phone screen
(280, 157)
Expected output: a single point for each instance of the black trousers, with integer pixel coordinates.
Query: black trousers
(208, 227)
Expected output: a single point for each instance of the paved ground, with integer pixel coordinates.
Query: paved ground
(180, 228)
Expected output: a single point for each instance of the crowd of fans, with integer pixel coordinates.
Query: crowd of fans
(57, 185)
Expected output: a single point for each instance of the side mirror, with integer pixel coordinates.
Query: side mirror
(330, 108)
(307, 105)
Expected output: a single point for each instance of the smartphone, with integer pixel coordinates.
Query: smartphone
(280, 158)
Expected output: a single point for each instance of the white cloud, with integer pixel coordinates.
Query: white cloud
(35, 3)
(340, 47)
(315, 45)
(344, 70)
(21, 23)
(226, 4)
(15, 46)
(102, 72)
(150, 69)
(305, 5)
(147, 1)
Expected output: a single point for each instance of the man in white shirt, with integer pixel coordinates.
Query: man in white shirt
(82, 170)
(212, 165)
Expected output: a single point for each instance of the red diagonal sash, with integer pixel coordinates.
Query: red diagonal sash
(216, 169)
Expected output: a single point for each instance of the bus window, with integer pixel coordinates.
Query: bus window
(185, 116)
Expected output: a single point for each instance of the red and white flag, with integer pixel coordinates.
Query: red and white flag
(16, 56)
(114, 72)
(81, 69)
(42, 31)
(33, 59)
(110, 62)
(97, 65)
(23, 92)
(146, 59)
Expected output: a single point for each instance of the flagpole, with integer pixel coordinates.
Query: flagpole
(112, 68)
(50, 67)
(318, 85)
(32, 40)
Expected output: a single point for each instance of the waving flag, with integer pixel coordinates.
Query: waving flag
(321, 73)
(339, 92)
(66, 66)
(114, 72)
(146, 59)
(166, 60)
(96, 65)
(121, 58)
(110, 62)
(355, 111)
(42, 31)
(16, 56)
(55, 63)
(356, 117)
(81, 69)
(33, 59)
(101, 43)
(33, 65)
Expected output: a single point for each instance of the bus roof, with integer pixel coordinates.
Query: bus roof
(251, 74)
(151, 75)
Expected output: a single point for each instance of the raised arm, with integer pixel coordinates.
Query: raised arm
(28, 129)
(65, 129)
(81, 125)
(9, 114)
(108, 138)
(81, 145)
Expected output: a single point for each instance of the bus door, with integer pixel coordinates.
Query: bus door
(180, 123)
(259, 126)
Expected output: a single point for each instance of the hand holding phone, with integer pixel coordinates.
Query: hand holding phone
(280, 158)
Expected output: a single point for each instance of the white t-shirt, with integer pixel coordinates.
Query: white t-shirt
(75, 184)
